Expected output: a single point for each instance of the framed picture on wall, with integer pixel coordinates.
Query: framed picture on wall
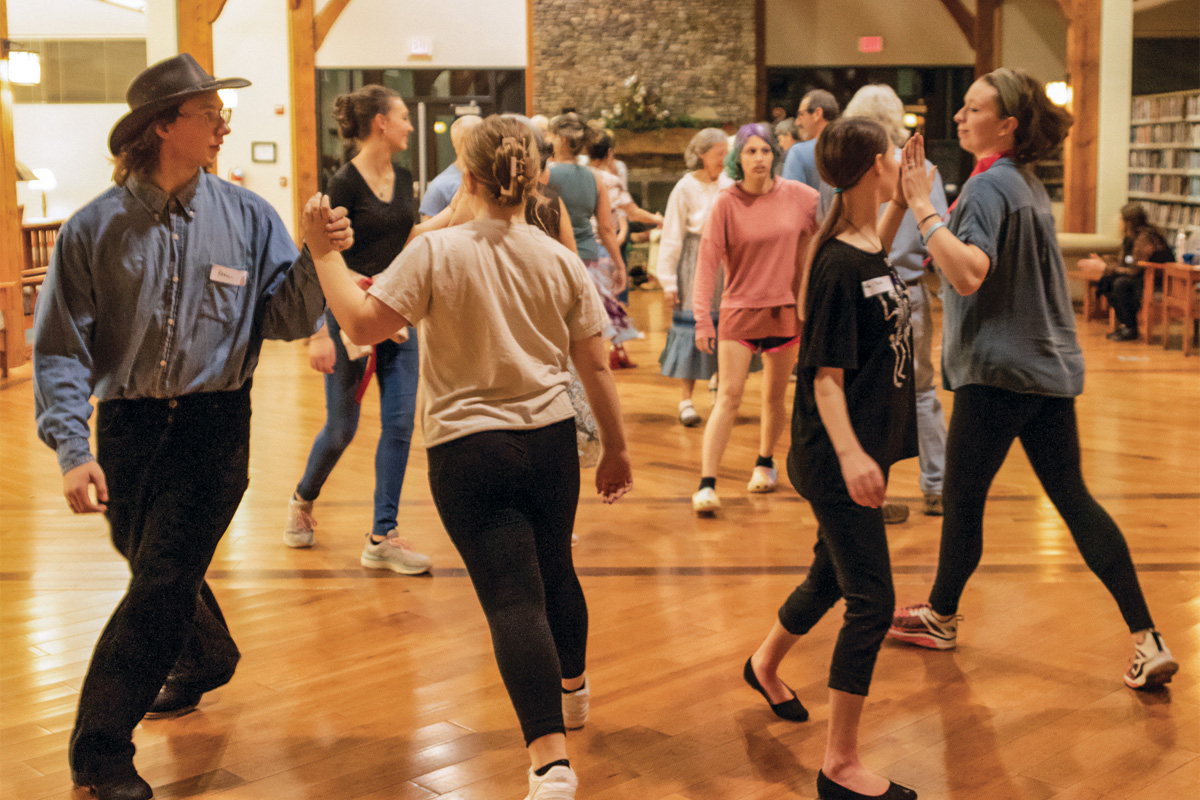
(263, 152)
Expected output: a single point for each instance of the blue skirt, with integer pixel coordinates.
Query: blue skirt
(680, 359)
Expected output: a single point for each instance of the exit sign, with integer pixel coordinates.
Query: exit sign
(870, 44)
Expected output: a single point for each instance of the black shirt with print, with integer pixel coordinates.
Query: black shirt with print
(858, 319)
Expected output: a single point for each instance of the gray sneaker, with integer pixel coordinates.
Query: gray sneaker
(395, 554)
(300, 523)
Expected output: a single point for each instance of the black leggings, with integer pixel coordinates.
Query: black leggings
(982, 428)
(1124, 294)
(850, 559)
(507, 498)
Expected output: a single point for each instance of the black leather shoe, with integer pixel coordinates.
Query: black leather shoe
(174, 700)
(792, 710)
(828, 790)
(1126, 335)
(131, 788)
(1115, 335)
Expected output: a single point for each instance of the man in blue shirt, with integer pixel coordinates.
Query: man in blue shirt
(441, 189)
(158, 297)
(818, 108)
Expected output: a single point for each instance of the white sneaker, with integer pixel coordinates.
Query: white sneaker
(300, 523)
(705, 501)
(559, 783)
(395, 554)
(1153, 665)
(688, 417)
(763, 480)
(575, 706)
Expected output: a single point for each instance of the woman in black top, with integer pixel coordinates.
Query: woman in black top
(378, 195)
(854, 416)
(1122, 283)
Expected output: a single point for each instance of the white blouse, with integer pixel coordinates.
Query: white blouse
(687, 210)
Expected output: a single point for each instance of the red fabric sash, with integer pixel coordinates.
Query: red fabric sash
(982, 165)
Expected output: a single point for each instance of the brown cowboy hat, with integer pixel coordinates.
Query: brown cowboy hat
(161, 85)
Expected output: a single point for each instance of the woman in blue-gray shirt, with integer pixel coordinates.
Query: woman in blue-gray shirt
(1010, 355)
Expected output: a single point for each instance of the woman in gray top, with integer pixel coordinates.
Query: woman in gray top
(1010, 356)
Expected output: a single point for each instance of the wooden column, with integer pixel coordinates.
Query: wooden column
(10, 225)
(987, 36)
(306, 33)
(1080, 151)
(195, 19)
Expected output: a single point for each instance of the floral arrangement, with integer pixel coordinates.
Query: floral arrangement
(639, 110)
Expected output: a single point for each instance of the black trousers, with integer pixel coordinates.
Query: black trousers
(1124, 294)
(982, 428)
(850, 560)
(507, 498)
(176, 472)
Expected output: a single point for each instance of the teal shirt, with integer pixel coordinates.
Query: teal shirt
(577, 187)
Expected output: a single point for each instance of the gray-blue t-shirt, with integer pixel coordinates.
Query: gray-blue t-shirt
(440, 191)
(1017, 332)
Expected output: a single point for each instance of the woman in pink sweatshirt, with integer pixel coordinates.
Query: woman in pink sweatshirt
(760, 228)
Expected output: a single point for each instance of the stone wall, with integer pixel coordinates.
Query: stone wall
(698, 55)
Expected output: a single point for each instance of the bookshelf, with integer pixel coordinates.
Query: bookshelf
(1164, 161)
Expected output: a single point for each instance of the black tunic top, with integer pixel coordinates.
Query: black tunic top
(380, 229)
(858, 320)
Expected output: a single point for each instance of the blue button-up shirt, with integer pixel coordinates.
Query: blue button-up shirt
(155, 296)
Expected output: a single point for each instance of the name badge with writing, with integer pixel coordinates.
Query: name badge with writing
(877, 286)
(233, 277)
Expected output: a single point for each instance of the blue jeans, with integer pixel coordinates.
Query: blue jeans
(931, 422)
(396, 372)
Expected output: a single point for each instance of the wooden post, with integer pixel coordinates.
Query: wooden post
(987, 36)
(10, 226)
(195, 19)
(302, 51)
(1080, 151)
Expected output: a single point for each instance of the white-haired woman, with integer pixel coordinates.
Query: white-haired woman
(881, 103)
(687, 210)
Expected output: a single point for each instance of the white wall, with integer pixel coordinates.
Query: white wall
(825, 33)
(465, 33)
(250, 40)
(64, 19)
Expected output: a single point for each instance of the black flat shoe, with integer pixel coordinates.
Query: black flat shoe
(174, 700)
(828, 790)
(130, 788)
(792, 710)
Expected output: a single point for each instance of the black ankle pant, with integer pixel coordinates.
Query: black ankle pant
(507, 498)
(176, 472)
(850, 560)
(1124, 294)
(982, 428)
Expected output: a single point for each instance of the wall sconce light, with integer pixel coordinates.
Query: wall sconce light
(911, 120)
(44, 182)
(1060, 93)
(24, 68)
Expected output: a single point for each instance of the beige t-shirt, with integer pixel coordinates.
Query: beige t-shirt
(498, 305)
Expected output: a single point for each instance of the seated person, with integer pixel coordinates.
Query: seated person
(1122, 282)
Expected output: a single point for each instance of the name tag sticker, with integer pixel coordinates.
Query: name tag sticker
(877, 286)
(228, 275)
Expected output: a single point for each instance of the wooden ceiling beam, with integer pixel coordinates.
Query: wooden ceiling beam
(323, 21)
(964, 18)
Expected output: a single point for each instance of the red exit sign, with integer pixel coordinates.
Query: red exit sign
(870, 44)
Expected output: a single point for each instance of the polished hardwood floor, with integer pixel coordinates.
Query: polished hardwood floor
(356, 684)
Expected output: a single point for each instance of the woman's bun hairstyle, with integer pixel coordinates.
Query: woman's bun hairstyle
(503, 158)
(571, 128)
(355, 112)
(1041, 125)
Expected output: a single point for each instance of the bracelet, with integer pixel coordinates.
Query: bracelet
(927, 216)
(934, 229)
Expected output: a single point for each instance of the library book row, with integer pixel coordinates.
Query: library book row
(1178, 185)
(1173, 216)
(1185, 133)
(1152, 109)
(1164, 159)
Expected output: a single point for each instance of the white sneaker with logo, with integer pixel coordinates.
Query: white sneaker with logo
(559, 783)
(1153, 665)
(300, 523)
(395, 554)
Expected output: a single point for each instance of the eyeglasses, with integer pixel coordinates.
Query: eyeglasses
(214, 117)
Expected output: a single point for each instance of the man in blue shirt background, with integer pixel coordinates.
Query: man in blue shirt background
(818, 108)
(441, 189)
(157, 299)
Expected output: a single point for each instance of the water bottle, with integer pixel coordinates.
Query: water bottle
(1180, 246)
